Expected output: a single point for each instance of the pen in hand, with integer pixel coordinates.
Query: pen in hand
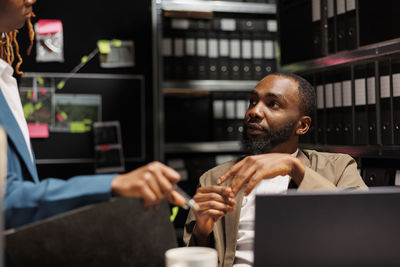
(187, 202)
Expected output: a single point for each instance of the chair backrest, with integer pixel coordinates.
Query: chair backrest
(3, 179)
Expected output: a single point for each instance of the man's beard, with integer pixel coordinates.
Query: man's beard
(265, 143)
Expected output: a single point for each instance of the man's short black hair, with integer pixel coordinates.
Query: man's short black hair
(306, 93)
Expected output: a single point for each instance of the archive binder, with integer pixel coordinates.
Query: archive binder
(330, 114)
(361, 114)
(331, 26)
(341, 24)
(338, 113)
(347, 112)
(386, 116)
(321, 122)
(213, 55)
(371, 98)
(247, 57)
(351, 25)
(396, 101)
(316, 29)
(234, 56)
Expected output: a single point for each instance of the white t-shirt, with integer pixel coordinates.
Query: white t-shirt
(244, 256)
(9, 88)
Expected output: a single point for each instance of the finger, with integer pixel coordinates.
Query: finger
(148, 195)
(214, 205)
(214, 214)
(152, 183)
(204, 197)
(253, 181)
(172, 175)
(229, 173)
(176, 199)
(222, 190)
(162, 181)
(241, 178)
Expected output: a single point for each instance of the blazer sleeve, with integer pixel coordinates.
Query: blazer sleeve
(340, 173)
(27, 201)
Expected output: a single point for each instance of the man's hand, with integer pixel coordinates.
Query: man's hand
(214, 202)
(251, 170)
(152, 182)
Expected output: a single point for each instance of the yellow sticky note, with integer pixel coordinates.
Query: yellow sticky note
(40, 80)
(61, 85)
(84, 59)
(174, 213)
(29, 94)
(104, 46)
(28, 109)
(116, 43)
(38, 106)
(87, 121)
(77, 127)
(64, 115)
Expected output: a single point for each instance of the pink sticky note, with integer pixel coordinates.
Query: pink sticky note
(49, 26)
(59, 118)
(43, 91)
(38, 130)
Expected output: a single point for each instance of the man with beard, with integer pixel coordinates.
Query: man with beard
(279, 112)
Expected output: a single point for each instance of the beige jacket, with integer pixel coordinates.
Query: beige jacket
(323, 171)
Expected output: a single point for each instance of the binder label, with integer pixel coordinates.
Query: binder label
(201, 47)
(246, 49)
(268, 49)
(180, 24)
(212, 48)
(190, 47)
(337, 87)
(272, 25)
(178, 47)
(396, 84)
(347, 100)
(241, 108)
(385, 86)
(228, 24)
(329, 95)
(224, 47)
(320, 97)
(316, 10)
(350, 5)
(167, 47)
(331, 8)
(230, 109)
(218, 108)
(340, 7)
(257, 49)
(235, 48)
(360, 92)
(371, 90)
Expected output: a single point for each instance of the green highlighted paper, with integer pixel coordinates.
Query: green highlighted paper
(104, 46)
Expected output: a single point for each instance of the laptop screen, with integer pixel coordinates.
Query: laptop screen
(328, 229)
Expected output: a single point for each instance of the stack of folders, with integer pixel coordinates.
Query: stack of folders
(236, 48)
(347, 109)
(228, 113)
(319, 27)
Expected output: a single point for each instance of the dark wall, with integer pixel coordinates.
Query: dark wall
(85, 22)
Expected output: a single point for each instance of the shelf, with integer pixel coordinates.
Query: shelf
(203, 147)
(211, 85)
(358, 151)
(217, 6)
(362, 53)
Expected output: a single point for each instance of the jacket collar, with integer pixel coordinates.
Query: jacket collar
(14, 133)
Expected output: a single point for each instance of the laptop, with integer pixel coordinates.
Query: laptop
(347, 228)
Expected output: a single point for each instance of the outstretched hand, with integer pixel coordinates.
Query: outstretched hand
(152, 182)
(252, 169)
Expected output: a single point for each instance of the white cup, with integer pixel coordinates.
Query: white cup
(191, 257)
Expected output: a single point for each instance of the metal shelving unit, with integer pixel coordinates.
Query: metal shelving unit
(217, 6)
(203, 147)
(363, 53)
(211, 85)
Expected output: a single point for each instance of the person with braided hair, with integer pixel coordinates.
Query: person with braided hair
(27, 199)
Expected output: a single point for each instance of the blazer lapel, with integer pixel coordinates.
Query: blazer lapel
(232, 228)
(15, 135)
